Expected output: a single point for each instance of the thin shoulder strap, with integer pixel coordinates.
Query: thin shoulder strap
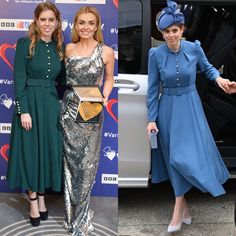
(100, 49)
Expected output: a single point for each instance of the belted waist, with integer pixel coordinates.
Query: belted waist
(179, 90)
(40, 83)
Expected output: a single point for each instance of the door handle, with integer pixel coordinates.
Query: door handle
(126, 84)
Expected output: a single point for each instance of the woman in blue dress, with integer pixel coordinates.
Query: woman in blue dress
(187, 155)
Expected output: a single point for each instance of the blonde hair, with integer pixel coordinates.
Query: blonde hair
(34, 33)
(98, 34)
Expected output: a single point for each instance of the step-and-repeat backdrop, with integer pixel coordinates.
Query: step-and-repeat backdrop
(15, 17)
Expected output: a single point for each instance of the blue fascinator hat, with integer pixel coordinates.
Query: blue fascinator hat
(169, 16)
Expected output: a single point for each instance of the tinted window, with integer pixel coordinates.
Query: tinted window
(130, 36)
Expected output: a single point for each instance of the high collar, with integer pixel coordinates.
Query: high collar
(174, 52)
(44, 42)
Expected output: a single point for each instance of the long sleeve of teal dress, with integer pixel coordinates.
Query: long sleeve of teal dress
(20, 75)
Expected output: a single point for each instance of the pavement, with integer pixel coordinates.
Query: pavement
(142, 212)
(14, 215)
(147, 212)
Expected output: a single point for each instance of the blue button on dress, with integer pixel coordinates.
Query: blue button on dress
(188, 155)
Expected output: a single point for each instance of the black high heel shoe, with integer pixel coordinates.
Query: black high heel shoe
(43, 214)
(35, 221)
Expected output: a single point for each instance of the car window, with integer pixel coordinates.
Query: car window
(130, 36)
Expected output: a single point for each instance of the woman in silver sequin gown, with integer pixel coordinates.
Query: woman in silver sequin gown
(86, 60)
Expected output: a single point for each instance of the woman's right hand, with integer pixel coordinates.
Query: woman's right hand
(151, 126)
(26, 121)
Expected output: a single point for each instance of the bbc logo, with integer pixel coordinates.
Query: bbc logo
(7, 24)
(5, 128)
(109, 179)
(15, 24)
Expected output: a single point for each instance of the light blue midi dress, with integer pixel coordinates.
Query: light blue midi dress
(187, 155)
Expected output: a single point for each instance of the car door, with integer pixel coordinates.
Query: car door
(134, 42)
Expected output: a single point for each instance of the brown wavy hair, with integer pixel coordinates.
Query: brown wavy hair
(34, 33)
(98, 34)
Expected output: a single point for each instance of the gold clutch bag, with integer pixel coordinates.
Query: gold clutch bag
(90, 105)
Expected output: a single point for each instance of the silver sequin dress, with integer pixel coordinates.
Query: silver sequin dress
(82, 143)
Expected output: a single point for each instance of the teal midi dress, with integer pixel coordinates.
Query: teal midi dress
(35, 157)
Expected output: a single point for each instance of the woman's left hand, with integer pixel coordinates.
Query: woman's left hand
(223, 83)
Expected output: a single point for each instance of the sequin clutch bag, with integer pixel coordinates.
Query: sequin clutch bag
(90, 105)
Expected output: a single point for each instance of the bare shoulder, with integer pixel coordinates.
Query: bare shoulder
(108, 54)
(70, 48)
(107, 50)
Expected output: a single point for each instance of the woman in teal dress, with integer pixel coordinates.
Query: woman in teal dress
(188, 155)
(36, 144)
